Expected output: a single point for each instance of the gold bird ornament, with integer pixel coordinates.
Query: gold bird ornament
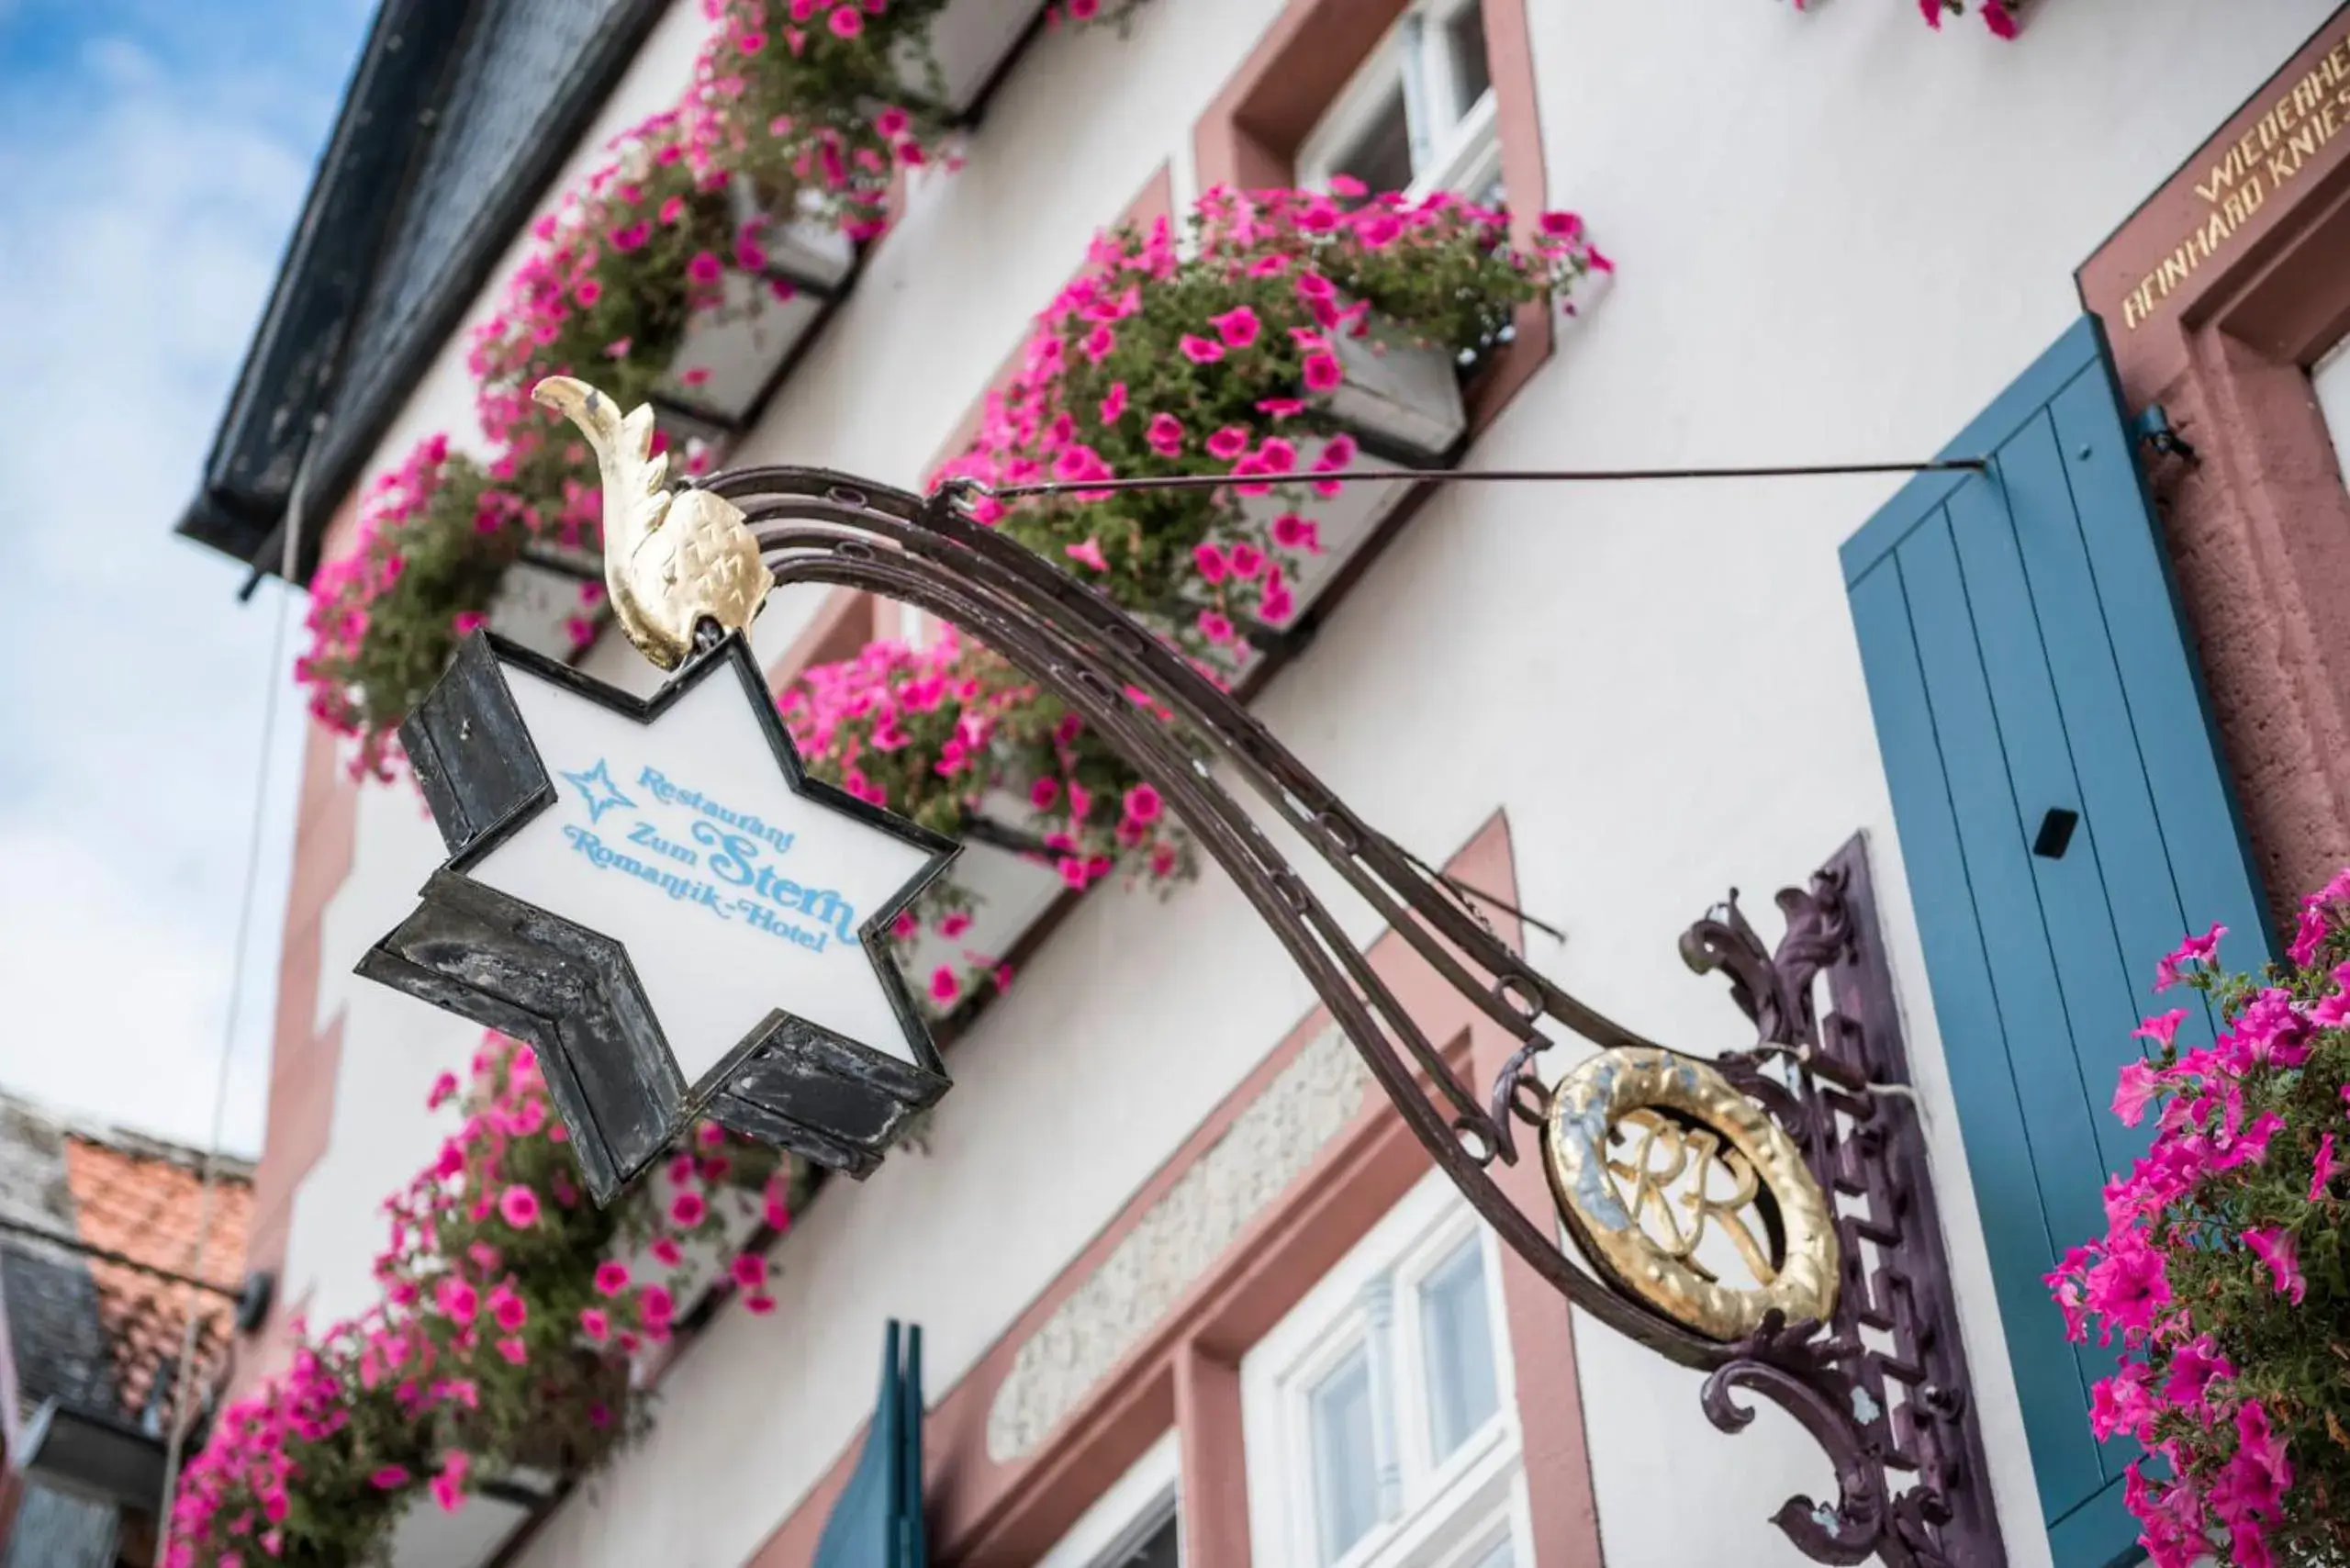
(673, 559)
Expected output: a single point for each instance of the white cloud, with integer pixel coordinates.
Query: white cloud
(113, 1010)
(121, 62)
(141, 221)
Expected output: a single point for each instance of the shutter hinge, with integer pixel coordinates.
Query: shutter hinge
(2152, 429)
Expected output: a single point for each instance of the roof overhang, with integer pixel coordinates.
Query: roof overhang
(287, 383)
(301, 408)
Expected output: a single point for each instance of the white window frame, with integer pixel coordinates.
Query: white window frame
(1437, 1514)
(1455, 146)
(2330, 382)
(1124, 1517)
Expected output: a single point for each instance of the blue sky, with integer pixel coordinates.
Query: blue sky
(152, 157)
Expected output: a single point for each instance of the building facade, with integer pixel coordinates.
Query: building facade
(112, 1256)
(1189, 1291)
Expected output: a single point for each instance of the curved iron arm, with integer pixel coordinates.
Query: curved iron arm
(821, 527)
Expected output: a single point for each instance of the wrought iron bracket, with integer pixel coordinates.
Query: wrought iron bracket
(1898, 1423)
(1883, 1386)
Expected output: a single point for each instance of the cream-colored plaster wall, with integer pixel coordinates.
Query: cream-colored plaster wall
(1840, 235)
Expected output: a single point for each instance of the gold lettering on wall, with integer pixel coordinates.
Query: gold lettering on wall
(2298, 124)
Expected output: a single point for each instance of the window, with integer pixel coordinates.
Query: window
(1136, 1523)
(2331, 379)
(1418, 117)
(1377, 1416)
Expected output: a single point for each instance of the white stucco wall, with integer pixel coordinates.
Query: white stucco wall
(1840, 235)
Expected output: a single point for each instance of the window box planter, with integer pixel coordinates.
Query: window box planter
(538, 600)
(1011, 886)
(730, 357)
(473, 1537)
(971, 40)
(1400, 398)
(1402, 403)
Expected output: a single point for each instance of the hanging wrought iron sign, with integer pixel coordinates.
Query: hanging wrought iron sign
(654, 893)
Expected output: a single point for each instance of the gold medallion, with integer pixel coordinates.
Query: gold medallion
(1652, 1155)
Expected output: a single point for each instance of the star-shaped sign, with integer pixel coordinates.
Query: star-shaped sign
(692, 924)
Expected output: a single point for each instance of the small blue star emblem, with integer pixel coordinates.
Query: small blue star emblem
(595, 788)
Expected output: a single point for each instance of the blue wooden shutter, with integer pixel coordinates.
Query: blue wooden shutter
(2025, 655)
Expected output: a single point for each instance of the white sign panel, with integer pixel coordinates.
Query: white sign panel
(653, 893)
(732, 894)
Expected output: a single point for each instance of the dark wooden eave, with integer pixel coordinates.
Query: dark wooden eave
(458, 117)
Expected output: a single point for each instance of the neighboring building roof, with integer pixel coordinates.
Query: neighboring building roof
(90, 1332)
(458, 117)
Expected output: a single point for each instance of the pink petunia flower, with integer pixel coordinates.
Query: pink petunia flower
(2322, 1168)
(1322, 371)
(1143, 805)
(845, 22)
(1088, 555)
(2195, 949)
(2128, 1286)
(444, 1088)
(1213, 563)
(389, 1478)
(944, 986)
(596, 1322)
(518, 1207)
(1215, 627)
(2194, 1366)
(2274, 1247)
(1200, 350)
(510, 1311)
(750, 1271)
(688, 1210)
(1237, 327)
(1228, 443)
(449, 1486)
(2139, 1085)
(1165, 434)
(457, 1300)
(1292, 531)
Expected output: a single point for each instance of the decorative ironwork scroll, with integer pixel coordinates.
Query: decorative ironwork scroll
(1189, 738)
(1882, 1384)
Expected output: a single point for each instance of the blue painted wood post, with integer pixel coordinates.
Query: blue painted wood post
(877, 1523)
